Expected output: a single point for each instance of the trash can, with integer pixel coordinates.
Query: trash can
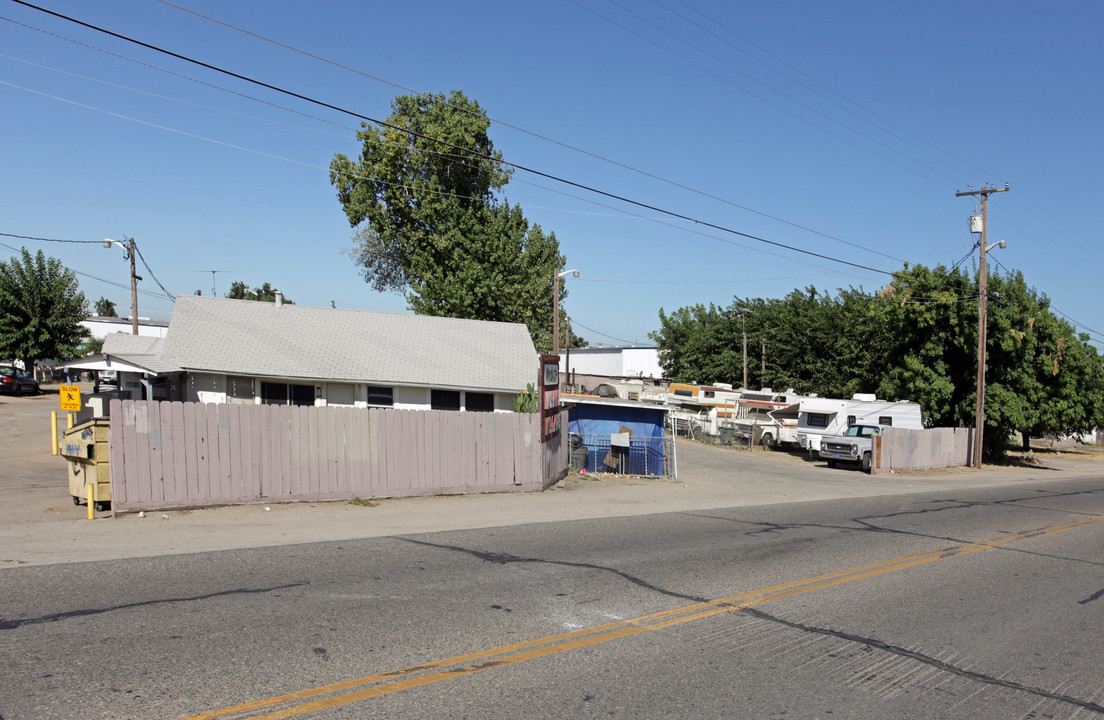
(85, 447)
(726, 435)
(577, 453)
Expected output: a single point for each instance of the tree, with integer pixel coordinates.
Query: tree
(429, 225)
(41, 309)
(105, 308)
(915, 339)
(265, 293)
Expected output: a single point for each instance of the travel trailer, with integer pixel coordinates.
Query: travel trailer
(818, 417)
(765, 416)
(703, 407)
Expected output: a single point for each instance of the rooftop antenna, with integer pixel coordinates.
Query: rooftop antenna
(214, 292)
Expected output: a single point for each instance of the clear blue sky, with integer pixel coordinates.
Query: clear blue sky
(857, 121)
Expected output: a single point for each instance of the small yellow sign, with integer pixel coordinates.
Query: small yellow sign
(70, 397)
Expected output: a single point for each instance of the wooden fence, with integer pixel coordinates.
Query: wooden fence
(901, 449)
(174, 454)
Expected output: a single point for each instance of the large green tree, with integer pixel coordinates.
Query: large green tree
(423, 197)
(914, 339)
(41, 308)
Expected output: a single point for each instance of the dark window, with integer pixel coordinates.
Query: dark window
(302, 394)
(479, 402)
(381, 396)
(273, 393)
(445, 399)
(684, 392)
(818, 420)
(708, 393)
(851, 420)
(885, 420)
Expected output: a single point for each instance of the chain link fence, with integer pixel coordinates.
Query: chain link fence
(643, 456)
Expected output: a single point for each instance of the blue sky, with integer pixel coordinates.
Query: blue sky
(843, 129)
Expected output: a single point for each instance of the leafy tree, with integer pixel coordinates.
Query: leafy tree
(91, 346)
(914, 339)
(430, 224)
(41, 309)
(265, 293)
(105, 308)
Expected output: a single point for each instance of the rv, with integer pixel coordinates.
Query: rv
(702, 406)
(818, 417)
(766, 415)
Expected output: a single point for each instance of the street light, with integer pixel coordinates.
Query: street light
(128, 248)
(557, 276)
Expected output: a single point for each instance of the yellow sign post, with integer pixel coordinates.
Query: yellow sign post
(70, 397)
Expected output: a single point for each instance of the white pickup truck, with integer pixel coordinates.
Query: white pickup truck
(856, 445)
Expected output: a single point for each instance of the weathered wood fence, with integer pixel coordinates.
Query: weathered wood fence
(174, 454)
(902, 449)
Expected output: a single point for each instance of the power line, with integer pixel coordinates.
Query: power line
(41, 239)
(415, 133)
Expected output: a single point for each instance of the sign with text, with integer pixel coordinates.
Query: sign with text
(70, 397)
(549, 396)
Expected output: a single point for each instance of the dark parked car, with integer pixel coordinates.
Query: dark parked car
(14, 382)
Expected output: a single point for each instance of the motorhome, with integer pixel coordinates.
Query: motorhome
(818, 417)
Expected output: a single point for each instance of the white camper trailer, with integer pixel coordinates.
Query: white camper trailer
(763, 414)
(818, 417)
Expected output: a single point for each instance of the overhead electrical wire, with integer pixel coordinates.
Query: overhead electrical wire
(964, 163)
(465, 150)
(415, 133)
(539, 136)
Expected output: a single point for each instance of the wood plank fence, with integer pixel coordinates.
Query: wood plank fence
(901, 449)
(173, 454)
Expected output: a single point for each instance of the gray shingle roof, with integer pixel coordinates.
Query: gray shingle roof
(142, 351)
(243, 337)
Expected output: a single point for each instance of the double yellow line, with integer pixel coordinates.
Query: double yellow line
(371, 686)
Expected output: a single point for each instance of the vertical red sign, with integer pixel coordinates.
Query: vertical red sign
(550, 396)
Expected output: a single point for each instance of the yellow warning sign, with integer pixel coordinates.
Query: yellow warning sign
(70, 397)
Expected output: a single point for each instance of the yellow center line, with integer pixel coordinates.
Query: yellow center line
(404, 678)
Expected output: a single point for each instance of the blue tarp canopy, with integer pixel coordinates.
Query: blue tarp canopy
(594, 419)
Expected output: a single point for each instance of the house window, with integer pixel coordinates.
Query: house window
(381, 396)
(885, 420)
(239, 389)
(851, 420)
(275, 393)
(817, 420)
(479, 402)
(445, 399)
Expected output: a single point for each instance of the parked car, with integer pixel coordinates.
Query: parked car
(15, 382)
(856, 445)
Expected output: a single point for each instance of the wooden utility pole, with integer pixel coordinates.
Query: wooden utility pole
(983, 309)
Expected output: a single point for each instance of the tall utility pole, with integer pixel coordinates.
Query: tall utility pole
(131, 250)
(743, 331)
(983, 309)
(133, 288)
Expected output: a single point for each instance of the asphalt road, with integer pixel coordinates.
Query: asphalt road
(982, 603)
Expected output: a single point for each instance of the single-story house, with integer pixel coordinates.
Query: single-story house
(219, 350)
